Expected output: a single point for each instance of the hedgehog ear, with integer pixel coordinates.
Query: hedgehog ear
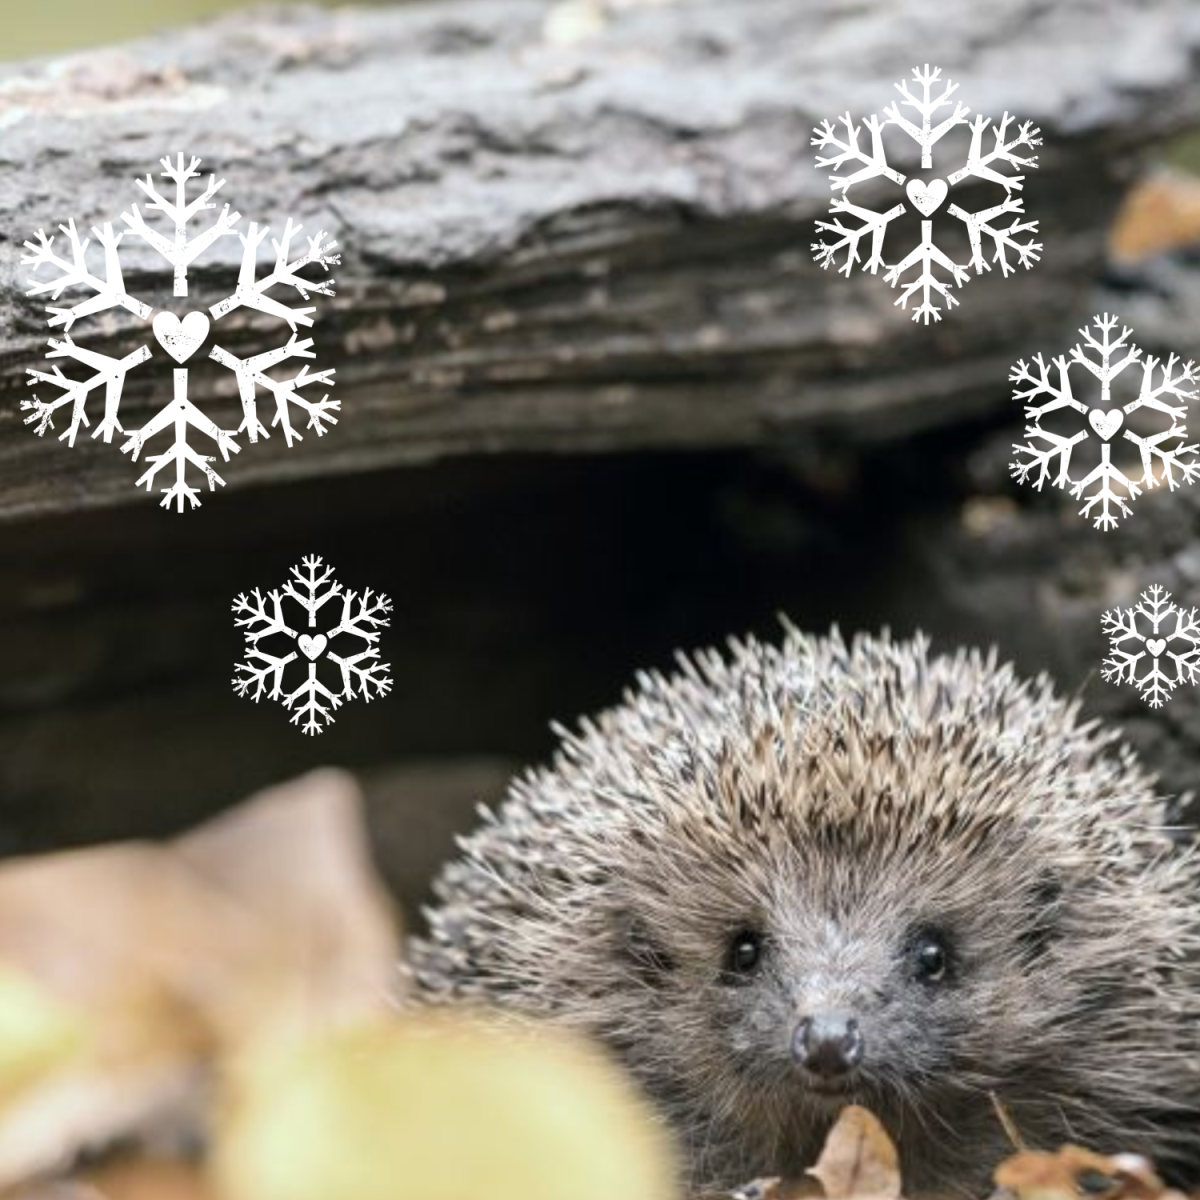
(1045, 909)
(641, 948)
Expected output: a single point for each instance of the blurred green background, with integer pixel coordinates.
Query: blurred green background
(36, 29)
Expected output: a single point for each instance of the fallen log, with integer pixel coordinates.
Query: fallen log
(574, 228)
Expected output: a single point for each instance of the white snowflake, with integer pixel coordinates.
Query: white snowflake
(1167, 632)
(180, 338)
(1163, 449)
(362, 616)
(926, 196)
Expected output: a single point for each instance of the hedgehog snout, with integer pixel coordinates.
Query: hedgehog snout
(828, 1044)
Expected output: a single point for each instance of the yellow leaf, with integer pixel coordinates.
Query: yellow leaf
(37, 1032)
(436, 1108)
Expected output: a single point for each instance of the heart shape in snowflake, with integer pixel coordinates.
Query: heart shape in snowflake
(1156, 646)
(927, 197)
(313, 647)
(1106, 423)
(181, 339)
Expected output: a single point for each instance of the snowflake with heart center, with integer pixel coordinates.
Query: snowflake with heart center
(935, 271)
(1157, 638)
(1162, 453)
(272, 644)
(179, 337)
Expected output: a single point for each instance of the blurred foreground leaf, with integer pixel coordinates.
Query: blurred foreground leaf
(436, 1108)
(150, 964)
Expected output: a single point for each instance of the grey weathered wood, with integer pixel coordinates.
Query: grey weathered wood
(1023, 571)
(554, 246)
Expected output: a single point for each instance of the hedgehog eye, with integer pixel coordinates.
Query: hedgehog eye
(744, 954)
(930, 956)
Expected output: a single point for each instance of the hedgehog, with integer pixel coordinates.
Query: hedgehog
(796, 876)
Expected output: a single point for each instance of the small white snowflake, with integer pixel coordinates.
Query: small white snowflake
(180, 338)
(362, 616)
(1166, 632)
(1163, 449)
(927, 196)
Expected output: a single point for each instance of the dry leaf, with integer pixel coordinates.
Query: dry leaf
(1073, 1171)
(148, 1179)
(1161, 213)
(859, 1161)
(317, 934)
(166, 958)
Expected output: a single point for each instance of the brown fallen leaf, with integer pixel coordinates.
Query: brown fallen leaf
(1159, 214)
(148, 1179)
(859, 1161)
(318, 933)
(1072, 1171)
(163, 961)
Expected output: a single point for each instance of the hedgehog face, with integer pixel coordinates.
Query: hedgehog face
(872, 977)
(821, 1008)
(799, 876)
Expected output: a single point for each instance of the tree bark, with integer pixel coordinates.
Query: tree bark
(558, 241)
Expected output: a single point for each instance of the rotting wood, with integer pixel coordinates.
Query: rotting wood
(558, 245)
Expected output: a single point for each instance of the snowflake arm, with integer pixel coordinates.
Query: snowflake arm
(926, 134)
(110, 291)
(109, 371)
(1151, 446)
(873, 222)
(1106, 474)
(1155, 605)
(370, 613)
(180, 415)
(1060, 396)
(1187, 662)
(927, 255)
(1059, 446)
(373, 676)
(1172, 384)
(254, 612)
(373, 614)
(980, 164)
(1105, 370)
(256, 676)
(1003, 240)
(312, 710)
(251, 372)
(874, 164)
(311, 583)
(181, 252)
(252, 293)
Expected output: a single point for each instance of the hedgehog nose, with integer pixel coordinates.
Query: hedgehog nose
(828, 1044)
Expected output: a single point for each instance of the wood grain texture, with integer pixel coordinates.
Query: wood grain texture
(560, 247)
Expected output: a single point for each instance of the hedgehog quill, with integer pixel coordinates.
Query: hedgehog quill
(795, 877)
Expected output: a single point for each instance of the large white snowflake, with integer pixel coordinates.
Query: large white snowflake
(362, 616)
(1163, 454)
(841, 146)
(179, 337)
(1156, 630)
